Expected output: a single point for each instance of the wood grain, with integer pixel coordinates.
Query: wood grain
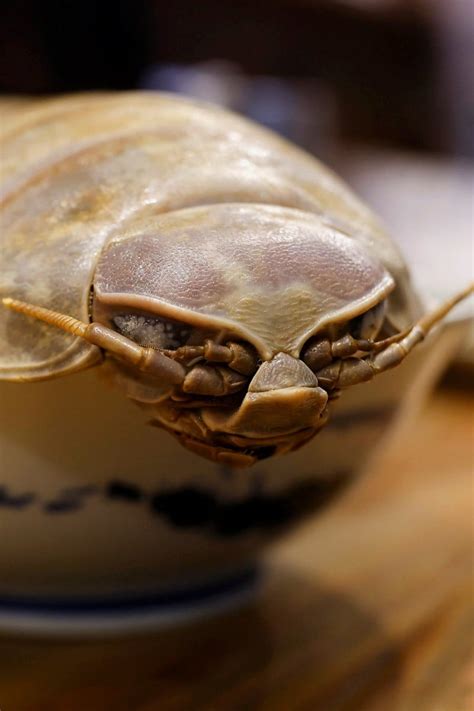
(367, 608)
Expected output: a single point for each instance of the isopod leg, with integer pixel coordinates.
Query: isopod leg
(351, 371)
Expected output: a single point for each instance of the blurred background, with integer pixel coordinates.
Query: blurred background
(392, 73)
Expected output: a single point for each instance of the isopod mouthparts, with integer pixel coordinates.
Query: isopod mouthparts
(235, 287)
(270, 414)
(209, 380)
(282, 371)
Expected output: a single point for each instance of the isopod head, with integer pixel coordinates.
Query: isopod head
(231, 285)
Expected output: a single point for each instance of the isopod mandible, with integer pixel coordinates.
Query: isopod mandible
(230, 283)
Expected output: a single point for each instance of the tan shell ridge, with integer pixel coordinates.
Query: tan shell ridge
(76, 170)
(268, 274)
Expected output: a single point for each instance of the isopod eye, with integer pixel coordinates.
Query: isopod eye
(152, 332)
(369, 324)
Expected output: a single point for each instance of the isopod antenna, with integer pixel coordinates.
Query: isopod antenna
(148, 360)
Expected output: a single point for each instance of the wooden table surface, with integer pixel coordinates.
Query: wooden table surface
(367, 608)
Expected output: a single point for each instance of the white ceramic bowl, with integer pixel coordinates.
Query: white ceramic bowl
(107, 523)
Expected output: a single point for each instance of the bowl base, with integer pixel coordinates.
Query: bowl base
(136, 613)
